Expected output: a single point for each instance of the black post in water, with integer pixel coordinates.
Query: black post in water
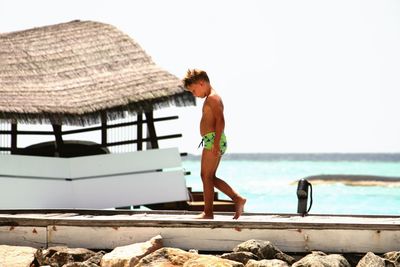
(302, 196)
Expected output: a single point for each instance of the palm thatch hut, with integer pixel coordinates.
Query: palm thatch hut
(80, 73)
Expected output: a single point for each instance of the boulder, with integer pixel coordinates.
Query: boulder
(92, 262)
(96, 259)
(175, 257)
(167, 257)
(264, 250)
(59, 256)
(393, 256)
(372, 260)
(240, 256)
(208, 260)
(80, 264)
(16, 256)
(267, 263)
(129, 256)
(320, 259)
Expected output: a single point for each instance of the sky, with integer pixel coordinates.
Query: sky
(295, 75)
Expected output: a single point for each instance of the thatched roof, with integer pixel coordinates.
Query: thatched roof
(68, 73)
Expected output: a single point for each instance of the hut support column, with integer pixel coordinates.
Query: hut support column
(151, 130)
(59, 140)
(103, 129)
(139, 133)
(14, 135)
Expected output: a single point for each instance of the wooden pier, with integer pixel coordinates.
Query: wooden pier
(106, 229)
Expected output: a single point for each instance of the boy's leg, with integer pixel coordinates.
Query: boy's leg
(209, 162)
(239, 201)
(225, 188)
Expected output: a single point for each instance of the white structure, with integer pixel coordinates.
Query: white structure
(97, 182)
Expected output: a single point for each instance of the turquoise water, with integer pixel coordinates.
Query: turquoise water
(270, 185)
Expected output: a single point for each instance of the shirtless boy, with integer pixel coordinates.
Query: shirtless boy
(212, 126)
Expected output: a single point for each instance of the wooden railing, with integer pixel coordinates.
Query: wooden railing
(148, 119)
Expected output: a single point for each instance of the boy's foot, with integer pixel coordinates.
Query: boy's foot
(204, 216)
(239, 206)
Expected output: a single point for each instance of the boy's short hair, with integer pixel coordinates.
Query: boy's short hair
(193, 76)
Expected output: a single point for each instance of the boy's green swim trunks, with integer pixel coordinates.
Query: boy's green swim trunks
(208, 141)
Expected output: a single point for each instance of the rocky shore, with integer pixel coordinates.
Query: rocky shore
(252, 253)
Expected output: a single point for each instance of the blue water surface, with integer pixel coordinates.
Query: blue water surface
(270, 186)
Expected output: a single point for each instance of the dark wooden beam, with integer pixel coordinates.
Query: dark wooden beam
(59, 141)
(14, 137)
(29, 132)
(127, 142)
(103, 129)
(109, 126)
(139, 132)
(151, 130)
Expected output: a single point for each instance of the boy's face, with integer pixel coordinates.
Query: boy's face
(199, 89)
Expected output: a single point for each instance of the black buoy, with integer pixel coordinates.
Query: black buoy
(302, 196)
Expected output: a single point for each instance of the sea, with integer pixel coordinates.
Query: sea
(269, 181)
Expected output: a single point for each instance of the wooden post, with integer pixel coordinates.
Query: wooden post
(139, 133)
(151, 129)
(59, 140)
(103, 129)
(14, 135)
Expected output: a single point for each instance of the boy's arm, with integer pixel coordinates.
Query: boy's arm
(218, 112)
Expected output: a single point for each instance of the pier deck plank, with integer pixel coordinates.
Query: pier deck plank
(106, 229)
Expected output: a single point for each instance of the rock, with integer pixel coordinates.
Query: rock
(178, 258)
(240, 256)
(267, 263)
(393, 256)
(284, 257)
(264, 250)
(96, 259)
(208, 260)
(129, 256)
(80, 264)
(92, 262)
(370, 259)
(59, 256)
(167, 257)
(194, 251)
(320, 259)
(16, 256)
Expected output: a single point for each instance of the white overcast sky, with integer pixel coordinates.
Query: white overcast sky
(295, 76)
